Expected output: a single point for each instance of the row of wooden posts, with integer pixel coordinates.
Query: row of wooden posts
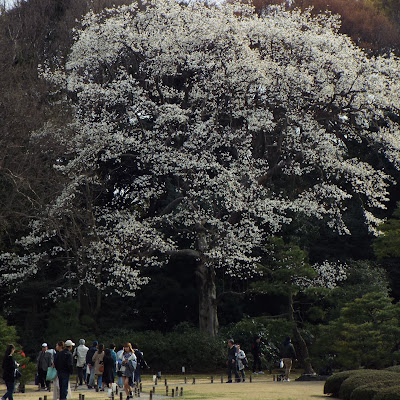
(175, 392)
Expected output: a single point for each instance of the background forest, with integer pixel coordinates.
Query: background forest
(82, 257)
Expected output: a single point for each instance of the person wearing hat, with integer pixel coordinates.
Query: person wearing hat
(64, 366)
(80, 356)
(90, 363)
(44, 360)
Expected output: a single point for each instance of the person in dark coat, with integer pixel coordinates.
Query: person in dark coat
(89, 361)
(288, 354)
(108, 363)
(257, 354)
(64, 366)
(9, 367)
(232, 362)
(44, 360)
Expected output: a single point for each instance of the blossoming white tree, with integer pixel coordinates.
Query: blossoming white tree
(201, 128)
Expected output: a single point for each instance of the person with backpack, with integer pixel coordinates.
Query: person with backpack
(140, 364)
(241, 362)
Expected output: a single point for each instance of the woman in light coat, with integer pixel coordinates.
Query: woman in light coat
(98, 358)
(127, 366)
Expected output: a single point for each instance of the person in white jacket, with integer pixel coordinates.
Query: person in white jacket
(240, 357)
(80, 357)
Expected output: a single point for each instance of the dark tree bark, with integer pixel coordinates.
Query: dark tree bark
(207, 292)
(302, 349)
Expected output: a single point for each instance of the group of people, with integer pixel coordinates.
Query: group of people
(237, 360)
(97, 361)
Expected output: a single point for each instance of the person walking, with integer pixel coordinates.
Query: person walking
(127, 368)
(232, 363)
(97, 359)
(44, 360)
(90, 364)
(114, 357)
(108, 363)
(64, 366)
(119, 362)
(241, 357)
(9, 367)
(257, 354)
(288, 354)
(139, 363)
(80, 356)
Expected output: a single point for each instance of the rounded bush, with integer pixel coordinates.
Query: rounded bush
(390, 393)
(363, 378)
(368, 391)
(333, 383)
(394, 368)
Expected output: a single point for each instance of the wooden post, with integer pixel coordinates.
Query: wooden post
(273, 378)
(166, 382)
(151, 395)
(83, 397)
(166, 390)
(97, 388)
(44, 397)
(251, 378)
(80, 396)
(154, 389)
(155, 382)
(177, 391)
(185, 379)
(194, 381)
(141, 387)
(173, 393)
(181, 391)
(120, 396)
(222, 379)
(116, 389)
(40, 398)
(212, 379)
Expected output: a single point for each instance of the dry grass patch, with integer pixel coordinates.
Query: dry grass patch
(261, 388)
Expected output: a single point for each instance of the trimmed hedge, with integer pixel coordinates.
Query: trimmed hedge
(390, 393)
(333, 383)
(368, 391)
(394, 368)
(364, 378)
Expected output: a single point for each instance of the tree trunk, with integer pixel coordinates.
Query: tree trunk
(208, 317)
(302, 349)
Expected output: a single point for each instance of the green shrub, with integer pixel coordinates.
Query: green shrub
(394, 368)
(333, 383)
(390, 393)
(368, 391)
(363, 378)
(184, 346)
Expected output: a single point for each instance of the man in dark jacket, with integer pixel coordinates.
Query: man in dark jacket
(232, 362)
(44, 361)
(288, 354)
(64, 366)
(257, 354)
(90, 363)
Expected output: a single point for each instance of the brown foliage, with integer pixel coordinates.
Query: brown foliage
(368, 27)
(35, 31)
